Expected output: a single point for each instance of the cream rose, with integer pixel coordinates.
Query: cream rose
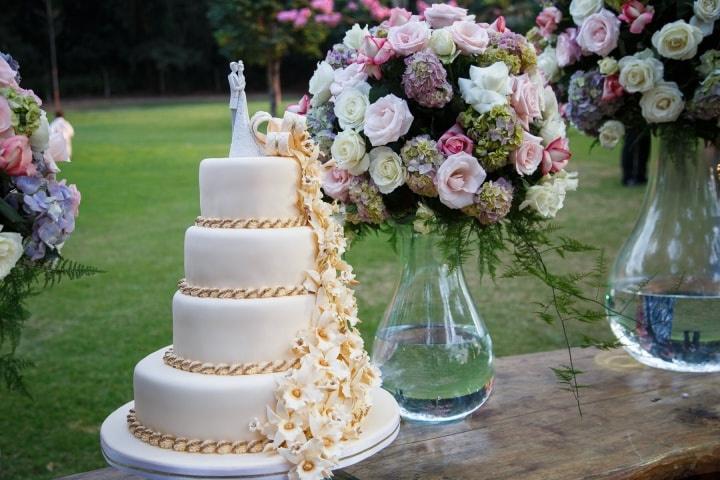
(354, 37)
(441, 15)
(41, 137)
(608, 66)
(611, 133)
(409, 38)
(387, 120)
(386, 169)
(548, 196)
(706, 14)
(640, 72)
(319, 86)
(582, 9)
(348, 151)
(487, 87)
(11, 250)
(663, 103)
(677, 40)
(470, 37)
(350, 106)
(458, 179)
(442, 43)
(548, 64)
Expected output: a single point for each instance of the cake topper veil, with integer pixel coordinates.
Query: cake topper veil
(243, 141)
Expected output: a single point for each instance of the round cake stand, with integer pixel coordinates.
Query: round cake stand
(131, 455)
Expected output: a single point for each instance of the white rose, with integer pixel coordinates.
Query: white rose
(348, 77)
(442, 43)
(348, 151)
(440, 15)
(487, 87)
(40, 139)
(386, 169)
(662, 104)
(706, 13)
(582, 9)
(611, 133)
(566, 181)
(319, 86)
(552, 129)
(608, 66)
(640, 72)
(409, 38)
(350, 106)
(11, 250)
(354, 37)
(677, 40)
(387, 120)
(548, 196)
(548, 65)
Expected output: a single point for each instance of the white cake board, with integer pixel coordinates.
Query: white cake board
(131, 455)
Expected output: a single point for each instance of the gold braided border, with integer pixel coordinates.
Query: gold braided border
(182, 444)
(254, 368)
(210, 222)
(239, 293)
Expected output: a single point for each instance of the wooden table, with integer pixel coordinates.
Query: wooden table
(637, 423)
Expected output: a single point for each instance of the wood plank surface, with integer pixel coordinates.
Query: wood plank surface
(638, 423)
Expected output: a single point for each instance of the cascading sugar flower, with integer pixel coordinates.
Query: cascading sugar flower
(425, 80)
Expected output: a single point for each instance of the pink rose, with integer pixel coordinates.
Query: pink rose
(336, 182)
(387, 120)
(599, 33)
(567, 50)
(637, 15)
(528, 156)
(458, 179)
(302, 107)
(409, 38)
(526, 99)
(612, 88)
(5, 118)
(547, 21)
(499, 25)
(7, 74)
(58, 149)
(440, 15)
(454, 141)
(16, 156)
(470, 37)
(373, 52)
(556, 156)
(398, 17)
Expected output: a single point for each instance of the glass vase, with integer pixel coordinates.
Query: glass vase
(432, 346)
(663, 301)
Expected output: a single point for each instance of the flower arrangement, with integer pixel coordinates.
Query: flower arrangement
(37, 210)
(633, 64)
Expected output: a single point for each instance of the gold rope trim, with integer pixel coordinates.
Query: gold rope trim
(182, 444)
(239, 293)
(253, 368)
(210, 222)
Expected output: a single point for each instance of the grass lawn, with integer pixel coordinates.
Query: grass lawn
(137, 170)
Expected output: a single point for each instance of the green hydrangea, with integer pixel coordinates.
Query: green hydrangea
(368, 202)
(25, 111)
(496, 134)
(528, 58)
(493, 55)
(421, 184)
(421, 154)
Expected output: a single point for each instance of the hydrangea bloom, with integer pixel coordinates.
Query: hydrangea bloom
(493, 202)
(585, 108)
(495, 133)
(368, 200)
(422, 158)
(340, 56)
(425, 80)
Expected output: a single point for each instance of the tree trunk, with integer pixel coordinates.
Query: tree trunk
(274, 86)
(53, 58)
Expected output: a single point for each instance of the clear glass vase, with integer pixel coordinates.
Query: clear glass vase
(432, 345)
(663, 301)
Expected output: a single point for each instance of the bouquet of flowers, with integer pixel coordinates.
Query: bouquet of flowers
(633, 64)
(37, 210)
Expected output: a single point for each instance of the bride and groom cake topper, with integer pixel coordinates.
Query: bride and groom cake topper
(243, 142)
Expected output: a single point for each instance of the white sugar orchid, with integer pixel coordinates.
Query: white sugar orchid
(283, 426)
(298, 390)
(309, 460)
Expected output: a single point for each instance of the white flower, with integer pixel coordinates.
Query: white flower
(348, 77)
(283, 426)
(566, 181)
(640, 72)
(581, 9)
(548, 64)
(608, 66)
(662, 104)
(11, 250)
(354, 37)
(319, 86)
(440, 15)
(40, 139)
(409, 38)
(309, 460)
(706, 13)
(548, 196)
(470, 37)
(386, 169)
(552, 129)
(487, 87)
(350, 106)
(328, 431)
(348, 151)
(677, 40)
(442, 43)
(387, 120)
(298, 390)
(611, 133)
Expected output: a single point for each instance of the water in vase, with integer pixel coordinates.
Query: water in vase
(458, 363)
(678, 331)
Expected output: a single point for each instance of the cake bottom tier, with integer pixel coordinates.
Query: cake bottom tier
(198, 406)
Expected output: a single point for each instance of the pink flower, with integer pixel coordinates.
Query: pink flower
(330, 19)
(373, 52)
(528, 156)
(612, 88)
(352, 6)
(637, 15)
(7, 74)
(526, 99)
(441, 15)
(567, 50)
(499, 25)
(458, 179)
(398, 17)
(324, 6)
(547, 21)
(336, 182)
(470, 37)
(377, 10)
(302, 107)
(16, 156)
(75, 198)
(409, 38)
(287, 16)
(387, 120)
(556, 156)
(302, 17)
(599, 33)
(5, 118)
(454, 141)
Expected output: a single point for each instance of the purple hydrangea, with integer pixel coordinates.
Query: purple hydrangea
(585, 107)
(339, 56)
(366, 197)
(425, 80)
(492, 202)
